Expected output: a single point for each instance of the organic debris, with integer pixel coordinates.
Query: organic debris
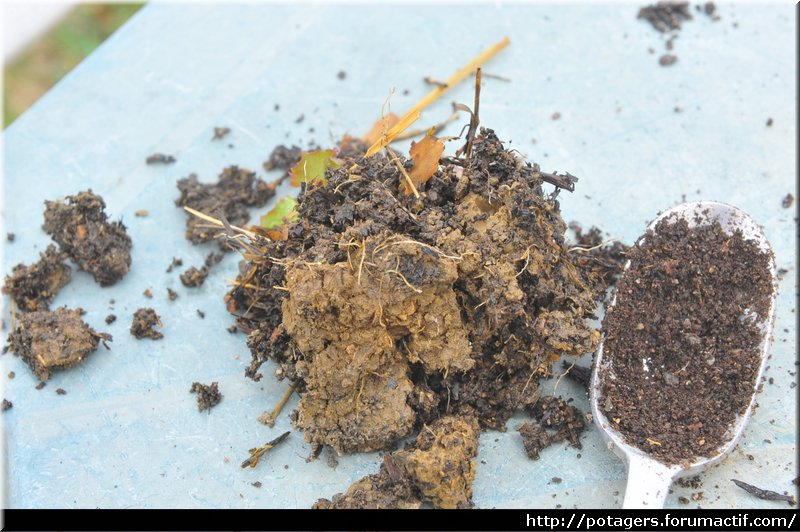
(765, 495)
(257, 452)
(34, 287)
(283, 158)
(6, 405)
(220, 132)
(194, 277)
(787, 201)
(160, 158)
(207, 395)
(437, 468)
(682, 346)
(176, 263)
(666, 16)
(228, 198)
(144, 322)
(79, 225)
(111, 318)
(48, 340)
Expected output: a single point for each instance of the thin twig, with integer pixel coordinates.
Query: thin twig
(257, 452)
(433, 95)
(474, 119)
(269, 419)
(400, 167)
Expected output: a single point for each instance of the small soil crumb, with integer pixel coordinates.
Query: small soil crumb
(148, 293)
(554, 414)
(233, 329)
(674, 383)
(330, 458)
(556, 115)
(201, 314)
(176, 263)
(437, 467)
(256, 484)
(666, 16)
(144, 322)
(49, 340)
(770, 122)
(555, 480)
(283, 158)
(141, 213)
(580, 374)
(207, 395)
(11, 374)
(788, 201)
(235, 191)
(172, 294)
(299, 119)
(534, 439)
(342, 74)
(213, 259)
(40, 385)
(667, 59)
(79, 225)
(683, 500)
(61, 391)
(7, 405)
(220, 132)
(160, 158)
(11, 237)
(34, 287)
(194, 277)
(111, 318)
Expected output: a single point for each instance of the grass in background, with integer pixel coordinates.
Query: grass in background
(46, 61)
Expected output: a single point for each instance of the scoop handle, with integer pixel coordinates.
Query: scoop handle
(648, 483)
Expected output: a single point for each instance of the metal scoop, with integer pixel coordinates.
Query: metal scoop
(648, 479)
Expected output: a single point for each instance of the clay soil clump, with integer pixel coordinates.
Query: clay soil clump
(80, 226)
(50, 340)
(681, 352)
(34, 287)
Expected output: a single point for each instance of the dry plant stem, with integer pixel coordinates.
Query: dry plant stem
(433, 95)
(403, 171)
(436, 128)
(217, 222)
(270, 418)
(257, 452)
(474, 119)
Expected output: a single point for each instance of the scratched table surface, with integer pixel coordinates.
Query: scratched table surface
(640, 136)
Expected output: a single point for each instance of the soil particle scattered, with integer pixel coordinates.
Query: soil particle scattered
(556, 115)
(61, 391)
(111, 318)
(11, 374)
(283, 158)
(667, 59)
(788, 201)
(50, 340)
(148, 293)
(207, 395)
(666, 16)
(213, 258)
(299, 119)
(437, 468)
(7, 405)
(176, 263)
(141, 213)
(194, 277)
(40, 385)
(34, 287)
(770, 122)
(534, 439)
(555, 480)
(201, 314)
(675, 382)
(11, 237)
(342, 74)
(79, 225)
(172, 294)
(683, 500)
(256, 484)
(220, 132)
(160, 158)
(232, 194)
(144, 322)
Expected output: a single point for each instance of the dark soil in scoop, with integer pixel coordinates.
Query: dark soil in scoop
(681, 351)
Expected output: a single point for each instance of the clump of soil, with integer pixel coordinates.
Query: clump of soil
(681, 352)
(563, 421)
(391, 312)
(144, 323)
(49, 340)
(34, 287)
(79, 225)
(666, 16)
(207, 395)
(194, 277)
(601, 260)
(6, 405)
(437, 468)
(283, 158)
(235, 191)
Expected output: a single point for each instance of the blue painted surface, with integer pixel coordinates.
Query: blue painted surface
(128, 434)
